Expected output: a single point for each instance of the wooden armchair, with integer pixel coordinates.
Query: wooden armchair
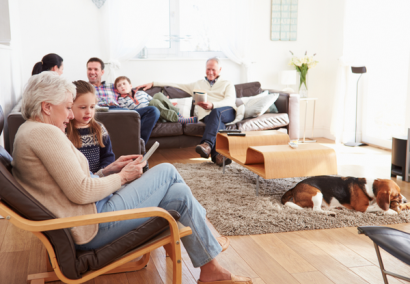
(71, 266)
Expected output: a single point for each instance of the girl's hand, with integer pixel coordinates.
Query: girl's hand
(119, 164)
(132, 171)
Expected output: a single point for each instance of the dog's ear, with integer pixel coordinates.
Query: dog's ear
(383, 193)
(383, 199)
(362, 180)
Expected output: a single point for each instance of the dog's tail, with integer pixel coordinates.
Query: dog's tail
(287, 196)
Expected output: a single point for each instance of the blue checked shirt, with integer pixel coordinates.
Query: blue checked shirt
(106, 94)
(211, 82)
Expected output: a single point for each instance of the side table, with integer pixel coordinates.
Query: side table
(306, 100)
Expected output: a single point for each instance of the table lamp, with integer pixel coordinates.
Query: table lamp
(287, 78)
(357, 70)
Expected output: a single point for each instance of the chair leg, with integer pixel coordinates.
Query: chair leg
(49, 267)
(169, 250)
(379, 257)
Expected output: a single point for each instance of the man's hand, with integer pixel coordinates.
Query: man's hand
(205, 105)
(132, 171)
(119, 164)
(145, 86)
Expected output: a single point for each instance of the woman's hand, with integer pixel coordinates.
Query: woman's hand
(119, 164)
(132, 171)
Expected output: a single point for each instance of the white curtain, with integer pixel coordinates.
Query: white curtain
(375, 36)
(127, 29)
(228, 21)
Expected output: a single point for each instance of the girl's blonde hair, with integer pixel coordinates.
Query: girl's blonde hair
(84, 88)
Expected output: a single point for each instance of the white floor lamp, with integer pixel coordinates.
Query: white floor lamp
(357, 70)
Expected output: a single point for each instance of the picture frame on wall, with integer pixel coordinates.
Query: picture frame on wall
(284, 20)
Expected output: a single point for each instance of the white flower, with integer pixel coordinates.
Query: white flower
(296, 61)
(304, 60)
(312, 64)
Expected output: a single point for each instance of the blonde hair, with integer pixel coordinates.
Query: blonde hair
(48, 87)
(84, 88)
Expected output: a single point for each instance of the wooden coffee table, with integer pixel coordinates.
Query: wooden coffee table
(267, 154)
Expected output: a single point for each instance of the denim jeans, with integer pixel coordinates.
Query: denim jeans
(161, 186)
(214, 121)
(149, 117)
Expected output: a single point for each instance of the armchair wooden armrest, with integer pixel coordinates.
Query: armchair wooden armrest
(171, 242)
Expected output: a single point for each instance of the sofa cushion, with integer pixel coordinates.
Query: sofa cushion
(264, 122)
(257, 105)
(248, 89)
(184, 105)
(175, 93)
(194, 129)
(163, 129)
(153, 91)
(98, 258)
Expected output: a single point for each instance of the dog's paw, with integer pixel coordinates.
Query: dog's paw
(390, 212)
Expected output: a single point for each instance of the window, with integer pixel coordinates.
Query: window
(5, 34)
(180, 29)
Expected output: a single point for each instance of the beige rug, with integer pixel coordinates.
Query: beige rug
(233, 208)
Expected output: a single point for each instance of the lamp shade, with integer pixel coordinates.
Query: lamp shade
(359, 70)
(288, 77)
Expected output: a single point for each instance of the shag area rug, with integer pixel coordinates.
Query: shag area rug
(234, 210)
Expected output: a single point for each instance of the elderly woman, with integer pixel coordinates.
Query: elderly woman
(48, 166)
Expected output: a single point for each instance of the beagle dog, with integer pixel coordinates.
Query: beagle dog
(352, 193)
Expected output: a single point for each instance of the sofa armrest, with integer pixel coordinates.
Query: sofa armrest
(289, 103)
(294, 116)
(124, 130)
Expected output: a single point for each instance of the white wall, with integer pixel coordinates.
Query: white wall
(320, 26)
(10, 65)
(69, 28)
(73, 29)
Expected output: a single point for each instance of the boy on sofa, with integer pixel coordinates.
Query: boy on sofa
(131, 99)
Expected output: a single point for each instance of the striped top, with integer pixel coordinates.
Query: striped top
(141, 99)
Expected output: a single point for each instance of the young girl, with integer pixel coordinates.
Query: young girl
(88, 135)
(130, 99)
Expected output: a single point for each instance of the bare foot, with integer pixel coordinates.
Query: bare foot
(213, 271)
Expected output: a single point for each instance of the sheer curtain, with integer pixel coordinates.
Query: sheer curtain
(228, 21)
(375, 36)
(127, 26)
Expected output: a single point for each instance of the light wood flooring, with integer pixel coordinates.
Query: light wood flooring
(309, 257)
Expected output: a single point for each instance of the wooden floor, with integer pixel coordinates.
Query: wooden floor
(310, 257)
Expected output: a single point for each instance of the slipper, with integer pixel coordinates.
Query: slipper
(223, 242)
(234, 280)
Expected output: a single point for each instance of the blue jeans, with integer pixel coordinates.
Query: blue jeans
(214, 121)
(161, 186)
(149, 117)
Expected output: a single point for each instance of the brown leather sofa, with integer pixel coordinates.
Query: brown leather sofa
(176, 135)
(124, 126)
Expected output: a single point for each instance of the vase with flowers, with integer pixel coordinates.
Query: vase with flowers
(302, 65)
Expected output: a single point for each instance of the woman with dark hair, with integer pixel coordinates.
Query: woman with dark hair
(50, 62)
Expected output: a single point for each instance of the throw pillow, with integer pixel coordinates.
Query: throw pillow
(258, 105)
(240, 112)
(184, 106)
(273, 108)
